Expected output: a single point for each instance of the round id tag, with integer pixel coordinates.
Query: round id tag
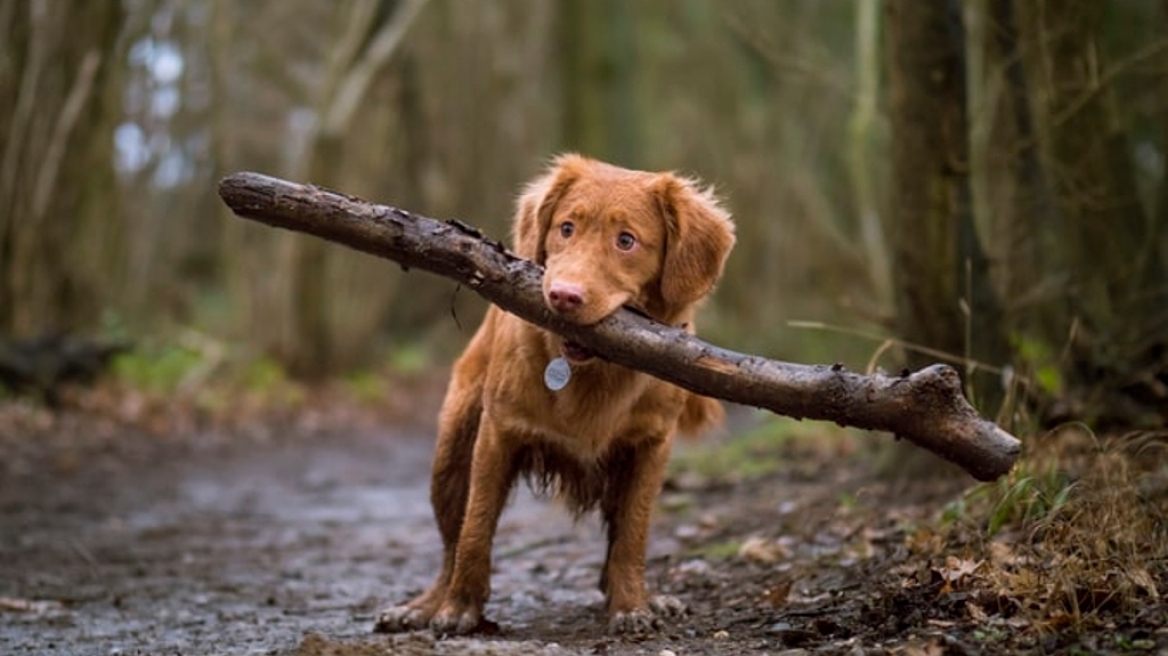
(557, 374)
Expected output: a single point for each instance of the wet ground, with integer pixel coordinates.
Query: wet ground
(290, 543)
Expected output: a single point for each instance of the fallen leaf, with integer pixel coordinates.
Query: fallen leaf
(931, 648)
(956, 568)
(1002, 553)
(777, 596)
(1144, 581)
(761, 550)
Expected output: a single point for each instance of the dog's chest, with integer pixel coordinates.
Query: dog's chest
(587, 417)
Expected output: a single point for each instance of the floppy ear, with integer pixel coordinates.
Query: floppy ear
(538, 202)
(698, 236)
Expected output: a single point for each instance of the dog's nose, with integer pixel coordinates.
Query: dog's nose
(565, 297)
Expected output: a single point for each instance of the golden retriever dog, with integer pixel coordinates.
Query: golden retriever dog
(524, 402)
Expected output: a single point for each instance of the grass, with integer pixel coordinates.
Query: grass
(160, 369)
(1022, 496)
(776, 443)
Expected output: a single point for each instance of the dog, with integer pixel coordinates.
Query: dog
(594, 433)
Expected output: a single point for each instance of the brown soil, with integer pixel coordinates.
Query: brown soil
(288, 541)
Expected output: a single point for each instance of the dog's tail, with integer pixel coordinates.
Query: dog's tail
(699, 414)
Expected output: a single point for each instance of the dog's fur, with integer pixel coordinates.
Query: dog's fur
(653, 241)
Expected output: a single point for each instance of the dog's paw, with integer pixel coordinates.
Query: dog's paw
(646, 620)
(399, 619)
(454, 618)
(667, 606)
(638, 621)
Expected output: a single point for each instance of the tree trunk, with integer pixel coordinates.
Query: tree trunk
(942, 290)
(598, 61)
(1017, 198)
(1106, 231)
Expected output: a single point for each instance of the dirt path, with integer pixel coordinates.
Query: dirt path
(291, 544)
(248, 548)
(217, 544)
(211, 546)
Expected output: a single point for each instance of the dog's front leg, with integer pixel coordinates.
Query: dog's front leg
(492, 475)
(628, 509)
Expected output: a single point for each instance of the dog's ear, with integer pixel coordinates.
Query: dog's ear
(698, 236)
(538, 203)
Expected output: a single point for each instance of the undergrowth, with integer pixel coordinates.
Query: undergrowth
(191, 381)
(1076, 536)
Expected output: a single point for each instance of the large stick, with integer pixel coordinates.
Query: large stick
(926, 407)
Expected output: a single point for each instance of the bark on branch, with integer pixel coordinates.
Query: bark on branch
(926, 407)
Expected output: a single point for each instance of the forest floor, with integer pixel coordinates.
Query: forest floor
(286, 536)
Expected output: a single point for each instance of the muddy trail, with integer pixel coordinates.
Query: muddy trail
(290, 544)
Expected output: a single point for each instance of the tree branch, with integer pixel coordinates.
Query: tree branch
(46, 180)
(356, 82)
(926, 407)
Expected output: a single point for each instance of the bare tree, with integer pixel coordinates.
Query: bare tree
(327, 108)
(1104, 242)
(58, 219)
(1105, 230)
(363, 51)
(1015, 197)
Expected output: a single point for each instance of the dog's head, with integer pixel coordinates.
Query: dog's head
(609, 237)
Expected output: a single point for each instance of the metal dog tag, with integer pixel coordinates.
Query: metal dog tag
(557, 374)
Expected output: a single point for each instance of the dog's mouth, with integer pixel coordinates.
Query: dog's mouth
(574, 352)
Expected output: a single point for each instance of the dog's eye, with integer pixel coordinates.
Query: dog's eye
(625, 241)
(566, 229)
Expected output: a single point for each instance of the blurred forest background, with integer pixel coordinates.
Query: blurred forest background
(980, 180)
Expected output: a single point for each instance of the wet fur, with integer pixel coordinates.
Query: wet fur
(601, 442)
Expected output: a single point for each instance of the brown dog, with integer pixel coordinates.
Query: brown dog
(607, 237)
